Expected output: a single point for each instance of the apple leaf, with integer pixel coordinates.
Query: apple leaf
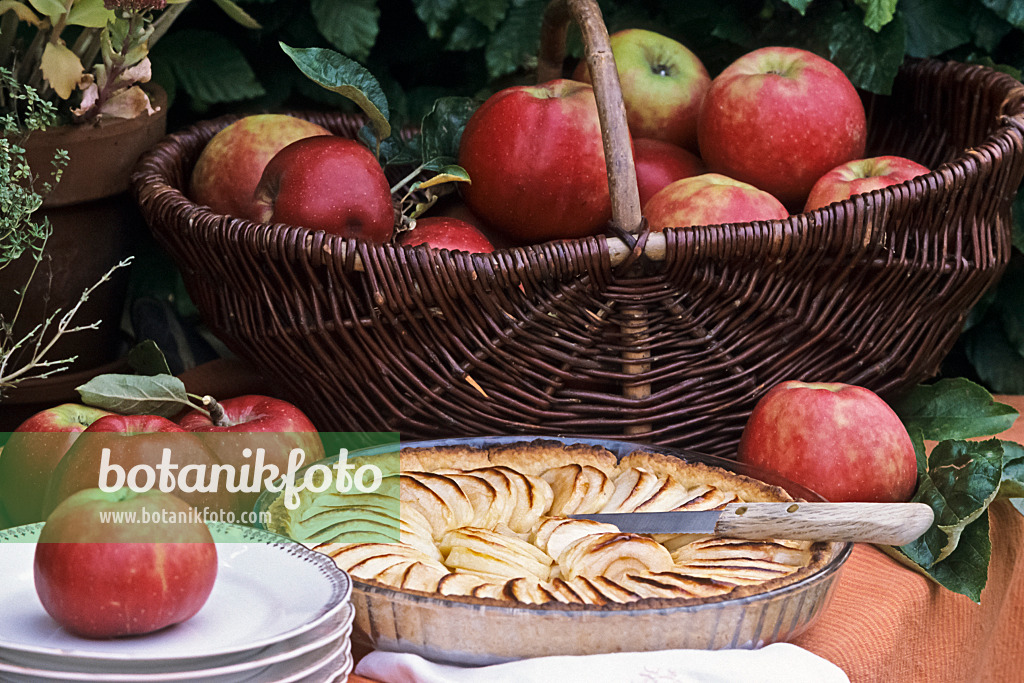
(517, 39)
(1012, 483)
(998, 364)
(962, 479)
(877, 13)
(934, 26)
(337, 73)
(953, 409)
(162, 395)
(799, 5)
(446, 174)
(441, 129)
(351, 26)
(146, 358)
(869, 58)
(1010, 10)
(207, 66)
(965, 571)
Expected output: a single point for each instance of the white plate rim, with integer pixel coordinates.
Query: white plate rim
(340, 584)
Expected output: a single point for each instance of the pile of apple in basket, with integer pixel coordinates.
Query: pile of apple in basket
(780, 130)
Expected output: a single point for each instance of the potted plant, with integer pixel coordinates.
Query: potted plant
(88, 60)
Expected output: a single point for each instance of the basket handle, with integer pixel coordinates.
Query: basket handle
(618, 152)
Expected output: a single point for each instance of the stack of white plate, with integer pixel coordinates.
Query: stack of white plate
(278, 612)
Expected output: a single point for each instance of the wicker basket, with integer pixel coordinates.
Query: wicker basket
(669, 337)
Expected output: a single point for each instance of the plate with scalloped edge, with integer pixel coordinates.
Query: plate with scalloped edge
(269, 590)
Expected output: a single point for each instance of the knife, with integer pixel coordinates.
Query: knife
(885, 523)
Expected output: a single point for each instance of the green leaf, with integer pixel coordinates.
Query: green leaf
(468, 34)
(238, 15)
(515, 43)
(434, 14)
(90, 13)
(53, 9)
(870, 59)
(799, 5)
(162, 395)
(146, 358)
(998, 364)
(207, 66)
(441, 129)
(965, 571)
(1012, 483)
(351, 26)
(487, 12)
(877, 13)
(450, 173)
(339, 74)
(963, 478)
(954, 409)
(1010, 10)
(1009, 295)
(935, 26)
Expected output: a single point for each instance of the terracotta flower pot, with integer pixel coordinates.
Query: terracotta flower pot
(95, 225)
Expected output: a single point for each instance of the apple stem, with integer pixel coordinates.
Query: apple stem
(217, 415)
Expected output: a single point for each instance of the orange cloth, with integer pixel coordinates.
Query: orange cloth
(889, 624)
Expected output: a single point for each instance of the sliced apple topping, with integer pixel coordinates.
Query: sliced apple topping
(612, 555)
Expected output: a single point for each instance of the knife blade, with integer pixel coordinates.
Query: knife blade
(885, 523)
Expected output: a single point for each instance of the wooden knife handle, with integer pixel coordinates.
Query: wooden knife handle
(886, 523)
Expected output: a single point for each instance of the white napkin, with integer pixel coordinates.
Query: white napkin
(776, 663)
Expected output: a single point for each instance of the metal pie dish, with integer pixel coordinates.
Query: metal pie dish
(478, 631)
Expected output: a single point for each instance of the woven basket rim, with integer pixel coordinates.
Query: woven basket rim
(617, 248)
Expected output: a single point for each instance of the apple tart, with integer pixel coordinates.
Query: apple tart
(493, 523)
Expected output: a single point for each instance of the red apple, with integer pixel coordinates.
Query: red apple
(229, 167)
(32, 453)
(119, 450)
(536, 161)
(443, 232)
(663, 84)
(659, 163)
(710, 199)
(779, 118)
(327, 183)
(860, 176)
(839, 440)
(100, 577)
(255, 422)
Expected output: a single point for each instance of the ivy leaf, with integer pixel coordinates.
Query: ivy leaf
(877, 13)
(962, 479)
(954, 409)
(516, 41)
(338, 73)
(935, 26)
(162, 395)
(351, 26)
(208, 67)
(146, 358)
(441, 129)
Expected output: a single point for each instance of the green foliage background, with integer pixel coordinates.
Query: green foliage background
(422, 49)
